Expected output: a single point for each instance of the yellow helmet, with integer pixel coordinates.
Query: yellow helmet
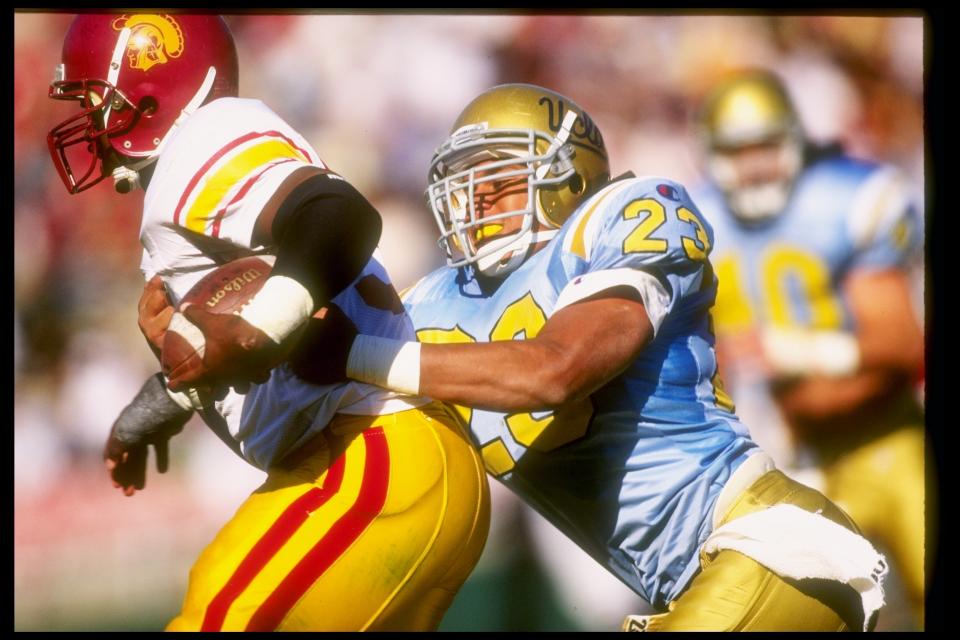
(515, 130)
(752, 108)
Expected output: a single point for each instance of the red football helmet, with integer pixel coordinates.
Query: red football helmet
(134, 75)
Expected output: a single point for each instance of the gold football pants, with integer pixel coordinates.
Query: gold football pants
(373, 525)
(875, 472)
(735, 593)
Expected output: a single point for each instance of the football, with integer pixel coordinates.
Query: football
(226, 289)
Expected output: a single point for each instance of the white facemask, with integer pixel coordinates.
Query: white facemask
(450, 194)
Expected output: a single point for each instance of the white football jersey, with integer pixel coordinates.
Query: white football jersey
(212, 180)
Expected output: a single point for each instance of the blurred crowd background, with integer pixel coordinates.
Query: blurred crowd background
(374, 94)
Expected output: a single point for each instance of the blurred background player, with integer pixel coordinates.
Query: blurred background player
(571, 329)
(374, 509)
(815, 318)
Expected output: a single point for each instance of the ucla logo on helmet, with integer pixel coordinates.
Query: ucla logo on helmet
(583, 129)
(154, 39)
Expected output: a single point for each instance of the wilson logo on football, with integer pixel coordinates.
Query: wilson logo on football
(153, 39)
(234, 285)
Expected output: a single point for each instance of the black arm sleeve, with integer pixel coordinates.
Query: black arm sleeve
(324, 233)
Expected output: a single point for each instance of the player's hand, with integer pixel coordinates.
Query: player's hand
(153, 313)
(320, 355)
(235, 353)
(151, 418)
(127, 463)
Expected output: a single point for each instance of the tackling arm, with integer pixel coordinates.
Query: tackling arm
(579, 349)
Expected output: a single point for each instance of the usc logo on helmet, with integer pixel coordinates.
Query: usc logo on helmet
(153, 40)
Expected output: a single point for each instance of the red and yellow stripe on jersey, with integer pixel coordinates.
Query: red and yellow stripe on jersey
(376, 527)
(226, 177)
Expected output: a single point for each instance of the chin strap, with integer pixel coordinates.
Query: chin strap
(192, 106)
(113, 73)
(558, 142)
(564, 168)
(126, 179)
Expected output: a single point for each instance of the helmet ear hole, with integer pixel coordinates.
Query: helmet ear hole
(576, 184)
(147, 106)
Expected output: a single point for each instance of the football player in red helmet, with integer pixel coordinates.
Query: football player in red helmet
(136, 80)
(396, 496)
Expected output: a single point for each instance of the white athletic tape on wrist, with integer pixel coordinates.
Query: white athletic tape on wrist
(189, 331)
(279, 308)
(391, 364)
(801, 352)
(188, 400)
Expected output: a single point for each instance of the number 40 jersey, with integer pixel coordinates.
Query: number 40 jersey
(631, 474)
(844, 215)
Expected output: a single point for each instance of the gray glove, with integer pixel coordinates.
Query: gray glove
(152, 418)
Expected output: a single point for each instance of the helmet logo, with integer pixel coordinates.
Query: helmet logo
(154, 39)
(583, 128)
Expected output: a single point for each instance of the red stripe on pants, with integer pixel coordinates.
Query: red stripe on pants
(373, 495)
(265, 548)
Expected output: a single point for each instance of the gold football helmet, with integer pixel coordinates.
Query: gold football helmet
(753, 143)
(513, 132)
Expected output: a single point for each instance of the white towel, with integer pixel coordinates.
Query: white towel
(794, 543)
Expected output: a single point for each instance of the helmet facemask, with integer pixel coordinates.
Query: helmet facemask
(137, 77)
(753, 200)
(83, 138)
(474, 155)
(753, 143)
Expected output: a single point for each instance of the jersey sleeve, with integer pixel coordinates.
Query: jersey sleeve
(883, 223)
(646, 234)
(234, 159)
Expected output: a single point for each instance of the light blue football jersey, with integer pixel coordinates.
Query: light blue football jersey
(843, 215)
(633, 474)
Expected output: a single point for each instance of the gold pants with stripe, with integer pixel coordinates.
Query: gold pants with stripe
(735, 593)
(373, 525)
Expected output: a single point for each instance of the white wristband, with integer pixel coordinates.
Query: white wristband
(188, 400)
(388, 363)
(279, 308)
(802, 352)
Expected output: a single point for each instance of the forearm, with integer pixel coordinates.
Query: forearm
(153, 412)
(526, 375)
(898, 349)
(888, 332)
(579, 350)
(822, 399)
(323, 233)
